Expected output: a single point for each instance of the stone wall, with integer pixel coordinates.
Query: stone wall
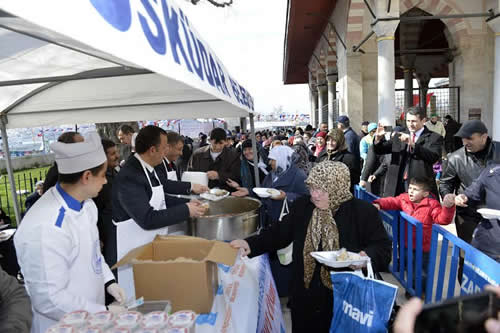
(28, 162)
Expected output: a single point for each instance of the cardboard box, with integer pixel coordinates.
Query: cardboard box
(181, 269)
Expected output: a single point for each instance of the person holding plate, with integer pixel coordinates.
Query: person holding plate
(327, 220)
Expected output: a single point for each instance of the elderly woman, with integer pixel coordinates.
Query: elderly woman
(336, 150)
(247, 173)
(320, 145)
(327, 220)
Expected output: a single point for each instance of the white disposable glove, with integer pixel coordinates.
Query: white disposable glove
(117, 292)
(116, 309)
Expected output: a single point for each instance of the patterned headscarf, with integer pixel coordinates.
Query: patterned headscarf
(338, 136)
(332, 178)
(283, 157)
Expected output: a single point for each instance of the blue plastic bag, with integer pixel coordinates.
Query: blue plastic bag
(361, 304)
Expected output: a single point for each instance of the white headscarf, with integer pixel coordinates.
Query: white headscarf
(283, 157)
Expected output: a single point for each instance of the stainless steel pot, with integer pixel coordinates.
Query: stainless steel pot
(228, 219)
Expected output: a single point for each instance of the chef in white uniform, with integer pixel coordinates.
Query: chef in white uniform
(57, 242)
(142, 207)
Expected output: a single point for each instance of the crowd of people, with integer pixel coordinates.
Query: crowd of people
(102, 199)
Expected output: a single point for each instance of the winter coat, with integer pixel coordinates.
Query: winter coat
(428, 211)
(360, 229)
(486, 189)
(15, 306)
(292, 182)
(352, 141)
(348, 159)
(426, 152)
(227, 164)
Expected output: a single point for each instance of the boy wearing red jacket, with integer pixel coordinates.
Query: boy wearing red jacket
(421, 205)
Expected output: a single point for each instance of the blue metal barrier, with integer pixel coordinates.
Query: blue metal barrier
(479, 269)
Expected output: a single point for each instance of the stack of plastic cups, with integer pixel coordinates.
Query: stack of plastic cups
(76, 319)
(127, 322)
(183, 320)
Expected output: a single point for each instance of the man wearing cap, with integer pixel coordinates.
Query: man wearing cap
(142, 207)
(464, 166)
(435, 125)
(57, 242)
(364, 129)
(351, 138)
(413, 152)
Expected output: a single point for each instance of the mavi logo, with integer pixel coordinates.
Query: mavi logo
(115, 12)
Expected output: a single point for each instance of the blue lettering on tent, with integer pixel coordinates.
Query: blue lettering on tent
(115, 12)
(172, 23)
(223, 80)
(204, 60)
(236, 91)
(216, 74)
(198, 66)
(157, 41)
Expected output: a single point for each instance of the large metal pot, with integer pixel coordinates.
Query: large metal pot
(228, 219)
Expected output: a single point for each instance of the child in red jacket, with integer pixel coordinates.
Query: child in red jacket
(419, 204)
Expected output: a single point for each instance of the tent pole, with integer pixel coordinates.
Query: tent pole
(10, 171)
(255, 155)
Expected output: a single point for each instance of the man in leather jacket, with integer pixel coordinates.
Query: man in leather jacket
(464, 166)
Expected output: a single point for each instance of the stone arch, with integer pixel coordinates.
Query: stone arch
(457, 28)
(355, 20)
(331, 59)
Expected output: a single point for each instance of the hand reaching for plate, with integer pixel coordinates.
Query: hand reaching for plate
(354, 267)
(281, 196)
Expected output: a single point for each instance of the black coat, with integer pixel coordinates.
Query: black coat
(132, 192)
(360, 229)
(426, 152)
(375, 165)
(31, 199)
(50, 178)
(227, 164)
(348, 159)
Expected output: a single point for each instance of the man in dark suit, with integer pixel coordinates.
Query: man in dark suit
(175, 147)
(413, 152)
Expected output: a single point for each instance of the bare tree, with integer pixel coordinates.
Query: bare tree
(110, 130)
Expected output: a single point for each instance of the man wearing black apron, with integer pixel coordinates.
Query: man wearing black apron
(141, 208)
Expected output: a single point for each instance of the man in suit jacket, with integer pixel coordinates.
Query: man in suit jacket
(414, 152)
(168, 168)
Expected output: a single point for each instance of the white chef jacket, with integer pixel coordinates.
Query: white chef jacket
(58, 250)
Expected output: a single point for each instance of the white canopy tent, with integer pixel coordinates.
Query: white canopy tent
(71, 61)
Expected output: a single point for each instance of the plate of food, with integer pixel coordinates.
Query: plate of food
(266, 192)
(340, 258)
(489, 213)
(215, 194)
(6, 234)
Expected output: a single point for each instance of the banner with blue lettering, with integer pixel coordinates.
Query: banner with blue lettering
(361, 304)
(246, 300)
(479, 270)
(155, 35)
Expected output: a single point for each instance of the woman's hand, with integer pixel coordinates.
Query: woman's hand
(376, 206)
(241, 192)
(354, 267)
(371, 178)
(232, 183)
(405, 320)
(281, 196)
(241, 244)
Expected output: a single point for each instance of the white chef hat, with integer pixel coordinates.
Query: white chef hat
(79, 156)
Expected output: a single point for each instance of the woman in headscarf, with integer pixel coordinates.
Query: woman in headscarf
(336, 150)
(290, 181)
(320, 145)
(302, 152)
(247, 173)
(327, 220)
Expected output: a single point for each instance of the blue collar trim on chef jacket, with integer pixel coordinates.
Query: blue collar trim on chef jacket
(70, 201)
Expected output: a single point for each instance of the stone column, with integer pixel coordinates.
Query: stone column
(332, 99)
(408, 74)
(313, 95)
(386, 71)
(322, 102)
(495, 26)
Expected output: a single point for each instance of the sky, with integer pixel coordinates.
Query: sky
(248, 37)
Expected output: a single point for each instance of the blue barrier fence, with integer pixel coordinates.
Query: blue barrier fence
(407, 266)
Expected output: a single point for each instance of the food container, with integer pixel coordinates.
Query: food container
(93, 329)
(128, 320)
(102, 319)
(177, 330)
(228, 219)
(156, 319)
(195, 177)
(149, 330)
(60, 328)
(76, 319)
(182, 319)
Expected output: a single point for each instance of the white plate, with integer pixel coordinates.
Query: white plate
(266, 192)
(6, 234)
(212, 194)
(329, 258)
(488, 213)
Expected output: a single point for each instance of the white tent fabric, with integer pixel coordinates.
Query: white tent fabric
(91, 37)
